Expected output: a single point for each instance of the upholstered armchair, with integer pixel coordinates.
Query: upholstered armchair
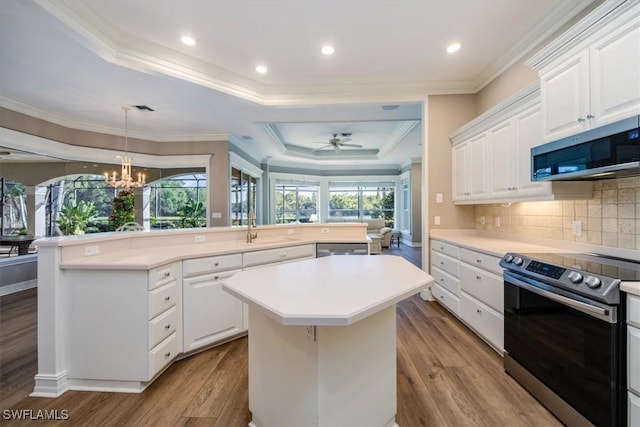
(376, 227)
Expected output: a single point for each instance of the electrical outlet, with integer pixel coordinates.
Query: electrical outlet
(483, 220)
(324, 231)
(200, 238)
(310, 330)
(91, 250)
(439, 198)
(436, 220)
(496, 221)
(577, 228)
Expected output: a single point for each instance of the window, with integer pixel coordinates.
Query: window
(13, 209)
(363, 200)
(243, 196)
(296, 201)
(406, 205)
(178, 202)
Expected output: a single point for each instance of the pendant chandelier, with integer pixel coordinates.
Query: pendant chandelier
(126, 179)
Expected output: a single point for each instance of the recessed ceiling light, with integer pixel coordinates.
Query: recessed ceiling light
(327, 50)
(454, 47)
(188, 40)
(261, 69)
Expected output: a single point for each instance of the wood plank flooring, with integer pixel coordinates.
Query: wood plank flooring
(447, 376)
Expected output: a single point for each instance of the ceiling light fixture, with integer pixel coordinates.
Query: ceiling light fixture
(125, 180)
(454, 47)
(327, 50)
(188, 40)
(261, 69)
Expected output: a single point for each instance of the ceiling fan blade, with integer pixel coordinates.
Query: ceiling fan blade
(352, 145)
(345, 140)
(336, 148)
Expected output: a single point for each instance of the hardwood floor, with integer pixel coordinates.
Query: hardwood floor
(447, 376)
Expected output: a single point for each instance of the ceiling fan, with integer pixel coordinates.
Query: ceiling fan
(337, 143)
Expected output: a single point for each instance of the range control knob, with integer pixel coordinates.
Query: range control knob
(508, 258)
(575, 277)
(592, 282)
(518, 261)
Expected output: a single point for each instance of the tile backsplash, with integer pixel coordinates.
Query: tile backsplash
(610, 218)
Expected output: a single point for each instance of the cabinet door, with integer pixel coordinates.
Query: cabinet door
(477, 166)
(528, 127)
(210, 313)
(460, 172)
(501, 143)
(564, 91)
(615, 75)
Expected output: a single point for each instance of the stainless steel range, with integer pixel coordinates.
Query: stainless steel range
(564, 333)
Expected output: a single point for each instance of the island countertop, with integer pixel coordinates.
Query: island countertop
(331, 291)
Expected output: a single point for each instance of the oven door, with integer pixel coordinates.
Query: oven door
(571, 345)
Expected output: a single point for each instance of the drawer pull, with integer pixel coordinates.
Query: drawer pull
(282, 254)
(441, 262)
(216, 277)
(167, 326)
(479, 261)
(167, 274)
(478, 311)
(167, 354)
(442, 279)
(442, 248)
(441, 296)
(167, 298)
(216, 264)
(478, 278)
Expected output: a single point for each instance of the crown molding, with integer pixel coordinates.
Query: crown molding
(50, 148)
(398, 134)
(19, 107)
(580, 33)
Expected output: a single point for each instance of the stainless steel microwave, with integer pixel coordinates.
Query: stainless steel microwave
(610, 151)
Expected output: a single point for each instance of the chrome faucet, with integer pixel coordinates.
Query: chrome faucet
(251, 224)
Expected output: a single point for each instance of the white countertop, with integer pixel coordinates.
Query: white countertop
(630, 288)
(331, 291)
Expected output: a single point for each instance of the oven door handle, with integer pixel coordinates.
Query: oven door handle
(599, 312)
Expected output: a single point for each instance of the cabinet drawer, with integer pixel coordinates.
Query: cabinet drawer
(633, 310)
(485, 321)
(162, 354)
(446, 298)
(443, 262)
(192, 267)
(633, 347)
(634, 410)
(269, 256)
(445, 248)
(447, 281)
(163, 275)
(162, 298)
(485, 286)
(480, 260)
(162, 326)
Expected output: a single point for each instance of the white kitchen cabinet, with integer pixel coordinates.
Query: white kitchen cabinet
(445, 271)
(633, 360)
(126, 326)
(497, 168)
(486, 322)
(470, 168)
(633, 411)
(271, 256)
(210, 314)
(595, 79)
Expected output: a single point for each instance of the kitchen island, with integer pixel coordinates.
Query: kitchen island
(322, 339)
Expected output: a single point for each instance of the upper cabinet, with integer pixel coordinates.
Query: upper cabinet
(491, 156)
(590, 75)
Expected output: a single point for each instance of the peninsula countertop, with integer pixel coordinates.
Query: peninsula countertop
(331, 291)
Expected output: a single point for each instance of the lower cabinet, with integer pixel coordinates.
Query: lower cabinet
(469, 284)
(633, 360)
(210, 313)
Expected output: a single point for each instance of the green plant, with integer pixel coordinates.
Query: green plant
(74, 216)
(192, 214)
(123, 209)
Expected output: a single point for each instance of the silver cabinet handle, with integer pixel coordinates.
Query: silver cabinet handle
(478, 277)
(479, 261)
(216, 277)
(167, 298)
(442, 279)
(167, 354)
(216, 264)
(478, 311)
(167, 326)
(167, 274)
(441, 296)
(282, 254)
(590, 116)
(580, 120)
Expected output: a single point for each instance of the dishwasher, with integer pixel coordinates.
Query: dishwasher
(328, 249)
